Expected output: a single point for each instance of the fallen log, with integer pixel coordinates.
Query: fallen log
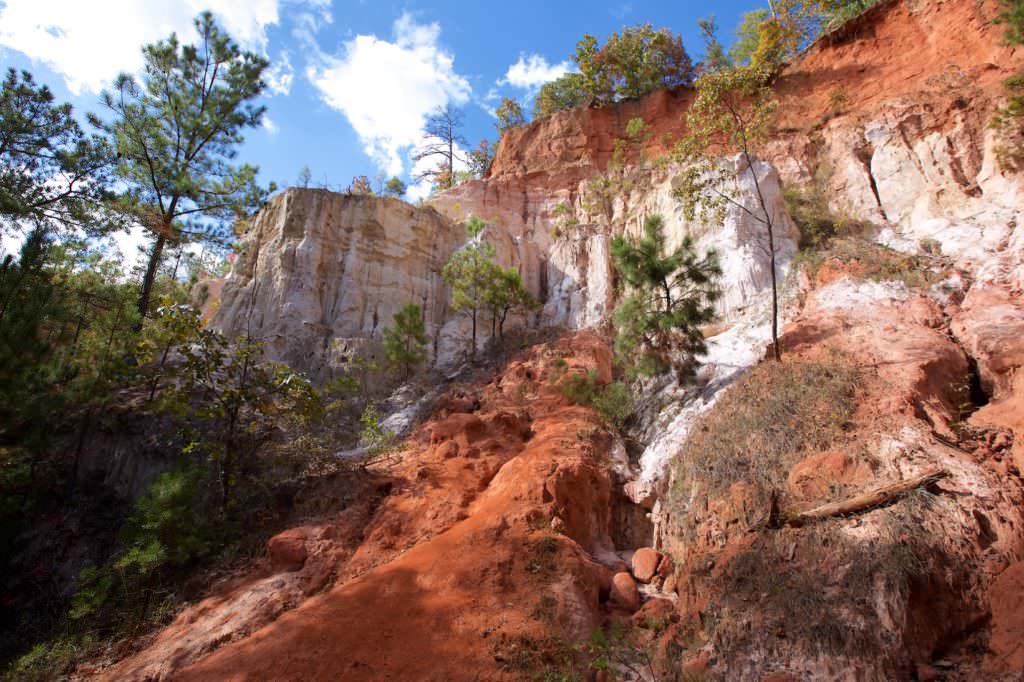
(865, 501)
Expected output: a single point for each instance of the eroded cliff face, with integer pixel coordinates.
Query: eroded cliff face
(321, 274)
(888, 118)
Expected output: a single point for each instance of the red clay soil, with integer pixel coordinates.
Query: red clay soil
(460, 575)
(945, 55)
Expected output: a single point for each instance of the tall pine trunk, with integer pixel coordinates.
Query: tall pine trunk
(147, 281)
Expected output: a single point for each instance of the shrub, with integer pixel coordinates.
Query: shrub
(873, 261)
(931, 246)
(817, 222)
(614, 402)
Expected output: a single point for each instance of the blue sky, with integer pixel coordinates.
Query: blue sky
(351, 81)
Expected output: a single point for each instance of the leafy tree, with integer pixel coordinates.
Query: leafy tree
(176, 134)
(51, 172)
(748, 37)
(360, 185)
(714, 53)
(305, 177)
(565, 92)
(1008, 120)
(236, 402)
(505, 294)
(395, 188)
(729, 116)
(441, 136)
(480, 159)
(405, 344)
(470, 275)
(632, 63)
(668, 297)
(509, 114)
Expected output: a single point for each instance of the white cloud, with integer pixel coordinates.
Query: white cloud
(269, 125)
(387, 89)
(280, 75)
(89, 43)
(533, 71)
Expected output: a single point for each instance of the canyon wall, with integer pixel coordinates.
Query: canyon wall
(508, 486)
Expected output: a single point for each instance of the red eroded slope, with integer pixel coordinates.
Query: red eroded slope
(460, 574)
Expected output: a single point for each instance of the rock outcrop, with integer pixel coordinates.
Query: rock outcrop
(321, 274)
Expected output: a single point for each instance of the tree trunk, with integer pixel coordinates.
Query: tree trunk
(775, 296)
(867, 501)
(472, 349)
(147, 281)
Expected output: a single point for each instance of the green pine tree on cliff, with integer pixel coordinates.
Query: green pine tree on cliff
(669, 296)
(176, 134)
(405, 344)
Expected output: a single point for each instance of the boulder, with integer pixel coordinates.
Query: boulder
(624, 593)
(287, 550)
(645, 563)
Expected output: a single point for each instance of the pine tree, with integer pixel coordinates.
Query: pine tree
(509, 114)
(176, 134)
(441, 137)
(395, 188)
(50, 171)
(405, 344)
(668, 297)
(470, 273)
(506, 294)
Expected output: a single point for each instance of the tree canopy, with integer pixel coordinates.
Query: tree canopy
(51, 172)
(177, 133)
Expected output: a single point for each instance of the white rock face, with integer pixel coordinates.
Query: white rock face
(322, 274)
(921, 174)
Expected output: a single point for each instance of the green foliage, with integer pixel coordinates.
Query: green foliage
(395, 188)
(748, 37)
(52, 174)
(565, 220)
(669, 296)
(176, 134)
(613, 401)
(714, 54)
(632, 63)
(405, 344)
(469, 273)
(817, 222)
(374, 437)
(505, 293)
(509, 114)
(235, 403)
(766, 40)
(65, 323)
(565, 92)
(1008, 121)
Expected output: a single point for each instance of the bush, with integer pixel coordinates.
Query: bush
(614, 402)
(817, 222)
